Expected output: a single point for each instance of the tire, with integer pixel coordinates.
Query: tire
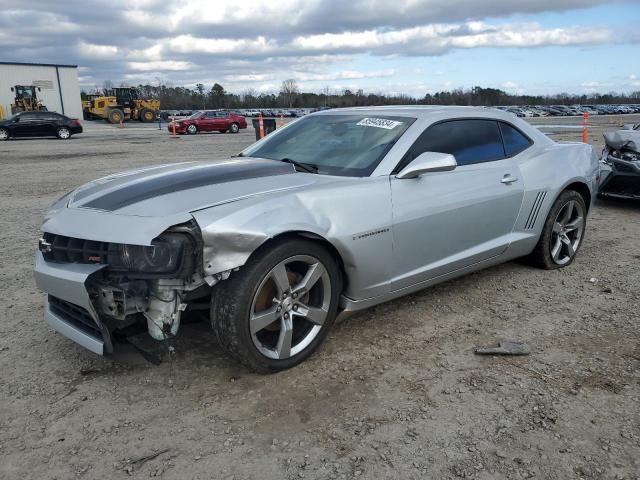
(238, 302)
(63, 133)
(147, 116)
(115, 115)
(4, 134)
(234, 128)
(564, 230)
(192, 129)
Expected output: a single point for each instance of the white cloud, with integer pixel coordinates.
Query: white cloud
(91, 50)
(159, 65)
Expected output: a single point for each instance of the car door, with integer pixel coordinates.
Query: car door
(222, 120)
(49, 122)
(446, 221)
(28, 125)
(207, 122)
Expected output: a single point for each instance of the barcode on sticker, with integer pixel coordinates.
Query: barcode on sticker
(379, 123)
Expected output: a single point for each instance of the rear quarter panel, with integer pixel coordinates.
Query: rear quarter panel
(546, 173)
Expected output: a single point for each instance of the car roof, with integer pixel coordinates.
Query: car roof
(423, 111)
(436, 113)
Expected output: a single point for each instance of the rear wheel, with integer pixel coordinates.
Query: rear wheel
(63, 133)
(115, 115)
(562, 233)
(276, 311)
(4, 134)
(234, 128)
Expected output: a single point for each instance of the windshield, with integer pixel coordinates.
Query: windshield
(196, 115)
(349, 145)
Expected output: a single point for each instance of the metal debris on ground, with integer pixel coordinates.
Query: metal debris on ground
(504, 347)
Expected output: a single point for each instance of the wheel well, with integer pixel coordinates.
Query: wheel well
(583, 190)
(316, 238)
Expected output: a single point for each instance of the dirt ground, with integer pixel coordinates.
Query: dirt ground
(395, 393)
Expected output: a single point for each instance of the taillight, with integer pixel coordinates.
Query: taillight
(75, 122)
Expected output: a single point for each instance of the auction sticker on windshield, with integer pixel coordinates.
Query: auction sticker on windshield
(379, 123)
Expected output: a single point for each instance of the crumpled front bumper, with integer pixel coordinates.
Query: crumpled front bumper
(69, 309)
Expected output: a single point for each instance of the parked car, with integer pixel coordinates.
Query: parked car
(209, 121)
(620, 176)
(340, 211)
(39, 124)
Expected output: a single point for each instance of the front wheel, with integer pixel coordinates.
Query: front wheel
(192, 129)
(147, 116)
(276, 311)
(4, 134)
(63, 133)
(562, 233)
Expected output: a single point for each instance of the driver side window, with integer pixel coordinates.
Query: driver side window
(470, 141)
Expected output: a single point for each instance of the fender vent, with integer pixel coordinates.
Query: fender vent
(535, 210)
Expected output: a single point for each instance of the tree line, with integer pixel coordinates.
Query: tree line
(290, 96)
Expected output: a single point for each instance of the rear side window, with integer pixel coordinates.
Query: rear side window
(470, 141)
(514, 140)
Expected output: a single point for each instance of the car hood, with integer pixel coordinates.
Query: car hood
(623, 139)
(186, 187)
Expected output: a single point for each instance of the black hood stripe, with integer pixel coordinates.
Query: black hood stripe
(193, 177)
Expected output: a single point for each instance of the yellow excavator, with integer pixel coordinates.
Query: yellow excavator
(26, 99)
(118, 105)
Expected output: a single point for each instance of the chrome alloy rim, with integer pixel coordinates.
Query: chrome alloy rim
(567, 232)
(63, 133)
(290, 306)
(191, 129)
(3, 134)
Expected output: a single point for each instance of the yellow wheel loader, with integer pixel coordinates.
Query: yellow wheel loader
(26, 99)
(121, 104)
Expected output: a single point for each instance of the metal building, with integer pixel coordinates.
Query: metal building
(58, 86)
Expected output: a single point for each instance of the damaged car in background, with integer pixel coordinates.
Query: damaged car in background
(336, 212)
(621, 164)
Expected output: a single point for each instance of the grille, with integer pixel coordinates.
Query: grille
(58, 248)
(75, 315)
(623, 185)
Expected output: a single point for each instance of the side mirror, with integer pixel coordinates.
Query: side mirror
(12, 89)
(428, 162)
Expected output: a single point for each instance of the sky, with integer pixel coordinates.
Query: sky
(401, 46)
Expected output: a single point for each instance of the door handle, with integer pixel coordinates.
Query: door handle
(508, 179)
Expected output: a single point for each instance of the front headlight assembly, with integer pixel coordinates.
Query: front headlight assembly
(165, 255)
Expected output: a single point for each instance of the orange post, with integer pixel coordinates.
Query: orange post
(173, 123)
(281, 120)
(261, 125)
(585, 125)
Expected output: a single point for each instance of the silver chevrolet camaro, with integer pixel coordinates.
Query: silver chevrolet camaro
(336, 212)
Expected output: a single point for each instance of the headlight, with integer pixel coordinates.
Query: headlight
(164, 255)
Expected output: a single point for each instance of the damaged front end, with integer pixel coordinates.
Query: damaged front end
(620, 172)
(99, 291)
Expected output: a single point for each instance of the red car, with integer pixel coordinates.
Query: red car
(210, 121)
